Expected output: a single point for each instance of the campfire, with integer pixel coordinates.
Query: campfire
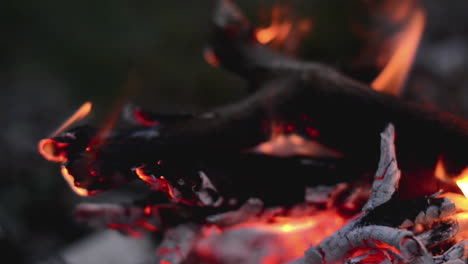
(312, 167)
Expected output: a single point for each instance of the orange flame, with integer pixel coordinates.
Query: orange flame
(276, 30)
(114, 115)
(440, 172)
(53, 150)
(71, 182)
(395, 73)
(79, 114)
(106, 128)
(283, 32)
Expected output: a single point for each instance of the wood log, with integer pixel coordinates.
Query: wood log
(347, 114)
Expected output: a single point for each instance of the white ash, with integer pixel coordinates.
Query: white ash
(250, 209)
(177, 243)
(388, 175)
(456, 253)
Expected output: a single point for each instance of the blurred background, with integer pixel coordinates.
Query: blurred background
(55, 55)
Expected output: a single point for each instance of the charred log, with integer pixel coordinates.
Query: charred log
(347, 111)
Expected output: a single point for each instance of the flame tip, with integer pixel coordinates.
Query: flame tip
(78, 115)
(393, 76)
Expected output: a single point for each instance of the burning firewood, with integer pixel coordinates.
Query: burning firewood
(367, 232)
(390, 230)
(337, 102)
(308, 100)
(327, 125)
(387, 229)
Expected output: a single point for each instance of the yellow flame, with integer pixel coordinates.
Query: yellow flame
(462, 182)
(79, 114)
(393, 76)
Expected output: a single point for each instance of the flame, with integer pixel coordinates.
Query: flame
(461, 180)
(440, 172)
(114, 115)
(105, 129)
(393, 76)
(283, 32)
(277, 31)
(458, 199)
(79, 114)
(71, 182)
(53, 150)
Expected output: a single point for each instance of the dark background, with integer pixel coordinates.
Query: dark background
(54, 55)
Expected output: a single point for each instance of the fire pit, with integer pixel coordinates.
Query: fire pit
(290, 174)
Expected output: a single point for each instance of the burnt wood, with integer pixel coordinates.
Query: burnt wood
(348, 115)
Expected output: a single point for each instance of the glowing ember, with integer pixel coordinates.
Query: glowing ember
(321, 226)
(53, 150)
(211, 58)
(159, 184)
(148, 210)
(142, 118)
(293, 144)
(151, 180)
(144, 224)
(282, 240)
(81, 113)
(71, 182)
(393, 76)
